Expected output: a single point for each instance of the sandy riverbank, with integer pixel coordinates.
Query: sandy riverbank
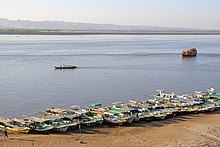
(188, 130)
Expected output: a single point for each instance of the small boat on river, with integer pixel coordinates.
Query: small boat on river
(189, 52)
(65, 67)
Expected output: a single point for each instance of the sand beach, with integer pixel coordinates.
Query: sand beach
(186, 130)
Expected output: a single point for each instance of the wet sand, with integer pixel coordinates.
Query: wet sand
(187, 130)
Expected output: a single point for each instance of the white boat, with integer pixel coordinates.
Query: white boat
(65, 67)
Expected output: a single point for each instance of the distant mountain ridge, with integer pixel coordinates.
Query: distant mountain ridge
(61, 25)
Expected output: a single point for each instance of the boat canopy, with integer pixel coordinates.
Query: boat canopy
(79, 111)
(55, 111)
(37, 119)
(3, 119)
(50, 117)
(117, 103)
(75, 107)
(116, 111)
(97, 105)
(216, 96)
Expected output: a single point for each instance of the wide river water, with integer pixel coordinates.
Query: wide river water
(111, 68)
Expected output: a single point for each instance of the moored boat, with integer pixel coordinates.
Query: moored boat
(97, 112)
(13, 126)
(114, 121)
(159, 116)
(162, 106)
(148, 117)
(55, 111)
(39, 125)
(84, 116)
(114, 118)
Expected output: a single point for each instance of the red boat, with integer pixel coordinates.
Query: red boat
(189, 52)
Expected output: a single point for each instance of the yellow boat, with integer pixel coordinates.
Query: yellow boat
(11, 127)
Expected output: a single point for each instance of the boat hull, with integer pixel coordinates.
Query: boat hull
(159, 117)
(189, 53)
(114, 123)
(110, 122)
(61, 129)
(65, 67)
(16, 130)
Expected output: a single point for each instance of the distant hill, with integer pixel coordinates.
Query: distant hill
(73, 28)
(61, 25)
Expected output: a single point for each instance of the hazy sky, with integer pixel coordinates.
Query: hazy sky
(179, 13)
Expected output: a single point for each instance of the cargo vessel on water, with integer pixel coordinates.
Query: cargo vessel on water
(189, 52)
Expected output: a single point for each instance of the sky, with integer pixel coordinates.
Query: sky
(203, 14)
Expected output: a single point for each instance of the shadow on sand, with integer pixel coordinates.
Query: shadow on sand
(170, 120)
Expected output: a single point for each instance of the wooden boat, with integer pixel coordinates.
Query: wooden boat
(114, 121)
(62, 120)
(193, 109)
(124, 113)
(214, 98)
(148, 117)
(143, 113)
(55, 111)
(137, 113)
(161, 95)
(85, 117)
(88, 122)
(217, 106)
(129, 113)
(163, 110)
(211, 107)
(114, 118)
(189, 52)
(58, 122)
(13, 127)
(39, 125)
(65, 67)
(159, 116)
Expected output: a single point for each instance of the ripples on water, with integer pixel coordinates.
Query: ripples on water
(111, 68)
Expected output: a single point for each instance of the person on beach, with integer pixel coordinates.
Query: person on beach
(5, 132)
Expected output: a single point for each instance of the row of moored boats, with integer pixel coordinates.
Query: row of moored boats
(162, 106)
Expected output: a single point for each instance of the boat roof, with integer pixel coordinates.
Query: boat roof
(215, 96)
(138, 108)
(55, 110)
(97, 105)
(75, 107)
(50, 117)
(133, 101)
(191, 102)
(37, 119)
(190, 49)
(115, 111)
(117, 103)
(80, 111)
(110, 112)
(3, 119)
(159, 90)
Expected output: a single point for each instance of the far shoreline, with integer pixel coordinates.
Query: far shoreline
(38, 32)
